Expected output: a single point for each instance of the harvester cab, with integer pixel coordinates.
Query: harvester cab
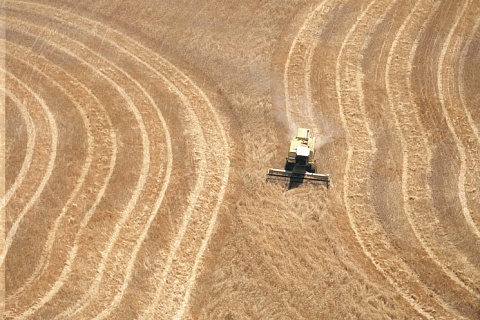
(300, 164)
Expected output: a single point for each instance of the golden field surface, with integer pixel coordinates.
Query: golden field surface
(137, 136)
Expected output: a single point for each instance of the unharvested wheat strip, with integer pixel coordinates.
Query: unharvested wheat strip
(368, 233)
(74, 85)
(141, 181)
(458, 143)
(48, 172)
(457, 118)
(27, 161)
(406, 128)
(199, 184)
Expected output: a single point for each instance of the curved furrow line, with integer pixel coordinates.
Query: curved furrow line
(138, 189)
(94, 153)
(359, 81)
(123, 287)
(176, 78)
(474, 143)
(414, 153)
(461, 71)
(454, 263)
(361, 142)
(51, 163)
(424, 199)
(27, 161)
(456, 118)
(456, 122)
(205, 239)
(40, 154)
(196, 226)
(296, 77)
(307, 41)
(413, 141)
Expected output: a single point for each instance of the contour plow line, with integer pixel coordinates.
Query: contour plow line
(415, 148)
(207, 237)
(139, 187)
(27, 161)
(361, 148)
(46, 177)
(95, 158)
(456, 118)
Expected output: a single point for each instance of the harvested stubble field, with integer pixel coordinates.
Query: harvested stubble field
(138, 133)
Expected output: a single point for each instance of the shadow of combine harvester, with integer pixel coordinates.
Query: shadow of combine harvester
(300, 165)
(297, 177)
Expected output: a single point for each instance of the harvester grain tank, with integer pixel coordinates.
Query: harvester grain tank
(300, 164)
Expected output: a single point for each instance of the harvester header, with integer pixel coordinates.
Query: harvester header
(300, 164)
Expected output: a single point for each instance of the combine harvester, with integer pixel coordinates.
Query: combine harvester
(300, 165)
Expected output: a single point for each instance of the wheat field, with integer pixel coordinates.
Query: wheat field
(137, 136)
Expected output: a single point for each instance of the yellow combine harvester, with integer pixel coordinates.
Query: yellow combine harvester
(300, 165)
